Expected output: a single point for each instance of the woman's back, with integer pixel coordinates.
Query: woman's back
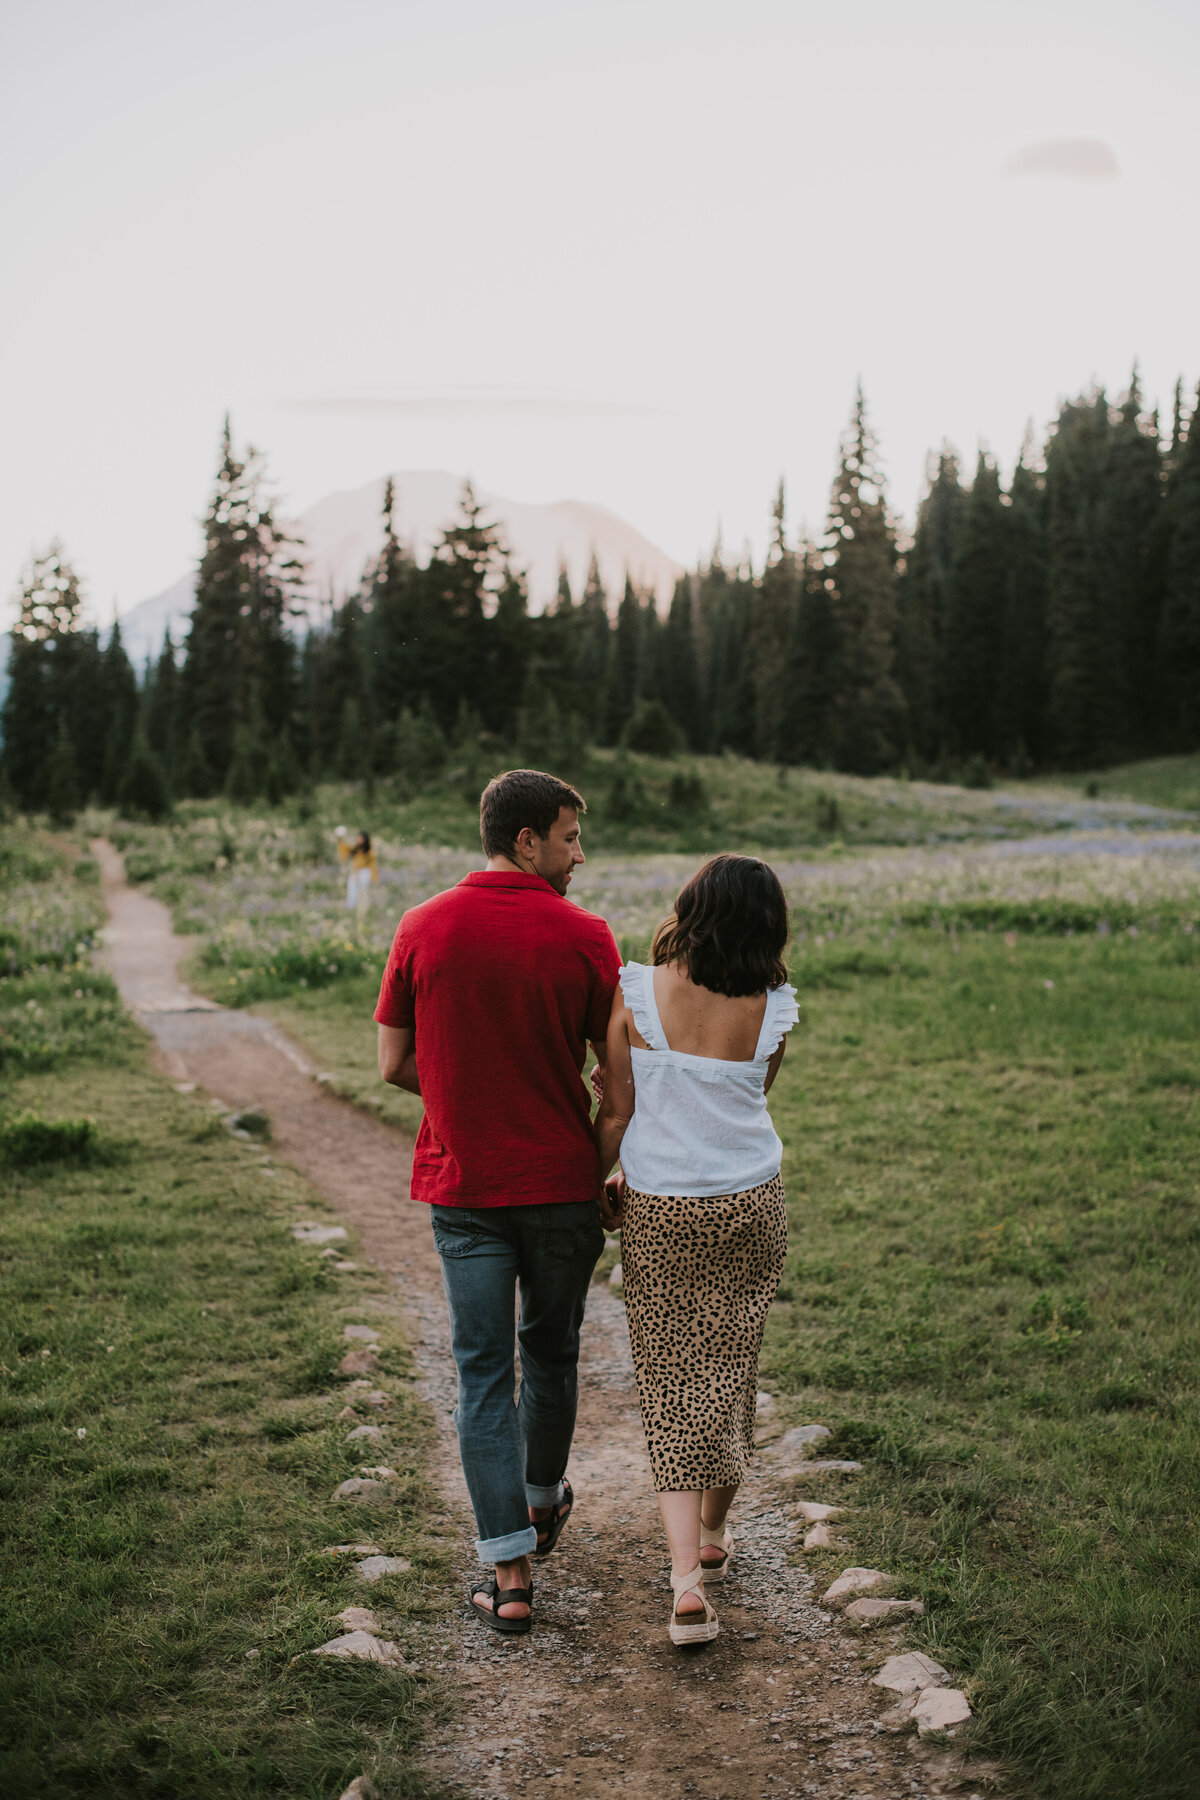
(700, 1123)
(697, 1022)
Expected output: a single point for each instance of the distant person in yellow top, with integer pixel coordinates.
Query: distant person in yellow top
(364, 869)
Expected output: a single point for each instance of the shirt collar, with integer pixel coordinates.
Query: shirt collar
(508, 878)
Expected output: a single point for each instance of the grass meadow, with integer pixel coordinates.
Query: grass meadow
(168, 1401)
(990, 1121)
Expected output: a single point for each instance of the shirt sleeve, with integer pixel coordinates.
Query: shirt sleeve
(607, 959)
(397, 1000)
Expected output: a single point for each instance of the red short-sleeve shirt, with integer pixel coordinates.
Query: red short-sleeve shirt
(504, 982)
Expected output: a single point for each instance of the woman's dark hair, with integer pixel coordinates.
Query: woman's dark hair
(729, 927)
(365, 838)
(518, 798)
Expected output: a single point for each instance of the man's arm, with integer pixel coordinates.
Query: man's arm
(398, 1057)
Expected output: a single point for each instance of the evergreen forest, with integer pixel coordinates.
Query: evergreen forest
(1053, 622)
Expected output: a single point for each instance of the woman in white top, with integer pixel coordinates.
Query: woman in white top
(694, 1043)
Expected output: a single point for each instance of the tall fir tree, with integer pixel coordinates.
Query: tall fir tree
(239, 664)
(594, 635)
(817, 656)
(625, 666)
(1083, 697)
(679, 679)
(1133, 569)
(1180, 631)
(860, 558)
(973, 622)
(43, 687)
(394, 630)
(922, 605)
(465, 571)
(772, 633)
(1020, 718)
(119, 708)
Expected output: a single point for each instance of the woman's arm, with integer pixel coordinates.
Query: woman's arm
(773, 1065)
(616, 1107)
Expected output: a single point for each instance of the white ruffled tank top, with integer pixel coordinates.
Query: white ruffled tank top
(700, 1124)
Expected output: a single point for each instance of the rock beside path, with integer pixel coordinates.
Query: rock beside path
(800, 1437)
(815, 1513)
(877, 1612)
(372, 1568)
(359, 1362)
(819, 1537)
(910, 1674)
(363, 1647)
(308, 1231)
(365, 1334)
(359, 1489)
(853, 1581)
(938, 1709)
(371, 1432)
(361, 1789)
(359, 1618)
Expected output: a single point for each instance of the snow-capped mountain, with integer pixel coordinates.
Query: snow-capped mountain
(343, 533)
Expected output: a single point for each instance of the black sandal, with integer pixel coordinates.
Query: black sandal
(554, 1524)
(502, 1597)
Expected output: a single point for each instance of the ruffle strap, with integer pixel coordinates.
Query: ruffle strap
(639, 998)
(781, 1014)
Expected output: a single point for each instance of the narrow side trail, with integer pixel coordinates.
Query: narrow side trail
(596, 1700)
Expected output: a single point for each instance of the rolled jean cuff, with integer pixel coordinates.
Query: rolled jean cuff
(543, 1496)
(507, 1548)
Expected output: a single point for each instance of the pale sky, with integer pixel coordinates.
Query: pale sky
(634, 252)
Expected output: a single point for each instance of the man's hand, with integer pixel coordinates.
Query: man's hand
(612, 1202)
(597, 1081)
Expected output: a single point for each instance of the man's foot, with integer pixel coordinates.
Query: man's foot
(488, 1598)
(549, 1520)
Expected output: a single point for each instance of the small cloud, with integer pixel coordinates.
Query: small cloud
(468, 403)
(1074, 159)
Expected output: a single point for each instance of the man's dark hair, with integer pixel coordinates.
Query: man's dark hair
(729, 927)
(518, 798)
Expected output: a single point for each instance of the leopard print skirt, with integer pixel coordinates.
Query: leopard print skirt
(699, 1276)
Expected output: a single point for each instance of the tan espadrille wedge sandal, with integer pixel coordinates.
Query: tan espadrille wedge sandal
(723, 1539)
(692, 1628)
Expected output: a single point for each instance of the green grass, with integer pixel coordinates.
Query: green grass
(993, 1297)
(1172, 781)
(334, 1025)
(169, 1447)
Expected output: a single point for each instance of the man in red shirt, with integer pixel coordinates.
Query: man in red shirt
(491, 994)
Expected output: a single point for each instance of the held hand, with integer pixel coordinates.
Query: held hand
(612, 1203)
(597, 1080)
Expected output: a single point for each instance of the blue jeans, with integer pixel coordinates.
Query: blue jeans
(514, 1451)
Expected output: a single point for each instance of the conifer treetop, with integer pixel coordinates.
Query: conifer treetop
(50, 598)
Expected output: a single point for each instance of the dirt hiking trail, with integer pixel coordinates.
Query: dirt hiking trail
(595, 1701)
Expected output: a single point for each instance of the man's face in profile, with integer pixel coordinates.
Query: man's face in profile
(555, 856)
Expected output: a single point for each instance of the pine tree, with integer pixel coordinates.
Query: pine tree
(143, 789)
(679, 681)
(1180, 632)
(1132, 567)
(160, 709)
(772, 633)
(62, 778)
(462, 579)
(860, 558)
(922, 603)
(973, 622)
(238, 672)
(1083, 700)
(119, 708)
(1021, 725)
(509, 655)
(245, 775)
(42, 690)
(595, 633)
(625, 665)
(394, 625)
(814, 667)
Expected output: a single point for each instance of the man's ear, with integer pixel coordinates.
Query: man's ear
(524, 840)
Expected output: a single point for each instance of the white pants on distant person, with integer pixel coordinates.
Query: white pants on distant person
(358, 891)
